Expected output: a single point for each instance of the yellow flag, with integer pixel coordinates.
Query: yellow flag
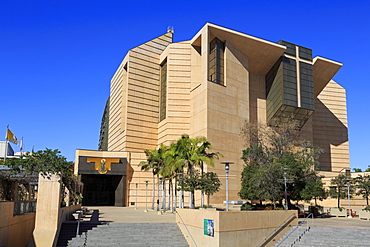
(11, 137)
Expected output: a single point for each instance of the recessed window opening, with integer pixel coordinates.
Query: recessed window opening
(163, 91)
(216, 61)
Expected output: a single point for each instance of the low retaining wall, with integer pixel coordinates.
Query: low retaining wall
(235, 228)
(15, 230)
(49, 214)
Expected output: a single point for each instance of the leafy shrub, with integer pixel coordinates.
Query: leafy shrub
(247, 207)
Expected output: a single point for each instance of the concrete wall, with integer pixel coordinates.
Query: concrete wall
(134, 98)
(241, 228)
(49, 214)
(15, 230)
(177, 121)
(331, 128)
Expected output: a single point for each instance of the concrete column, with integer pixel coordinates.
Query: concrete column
(48, 207)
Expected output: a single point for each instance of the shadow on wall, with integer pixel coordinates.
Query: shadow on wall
(129, 175)
(328, 130)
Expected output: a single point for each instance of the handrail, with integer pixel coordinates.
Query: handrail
(186, 228)
(276, 228)
(295, 228)
(78, 227)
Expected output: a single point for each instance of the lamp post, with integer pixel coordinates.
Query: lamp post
(146, 195)
(349, 198)
(227, 168)
(285, 192)
(159, 196)
(136, 196)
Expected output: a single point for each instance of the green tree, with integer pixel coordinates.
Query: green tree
(357, 170)
(314, 189)
(363, 187)
(339, 187)
(186, 154)
(44, 162)
(209, 184)
(169, 171)
(272, 151)
(154, 162)
(190, 154)
(249, 183)
(191, 183)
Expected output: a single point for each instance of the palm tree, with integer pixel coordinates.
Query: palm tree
(154, 162)
(192, 153)
(205, 145)
(169, 171)
(187, 153)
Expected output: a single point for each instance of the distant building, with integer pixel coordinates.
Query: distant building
(209, 86)
(3, 149)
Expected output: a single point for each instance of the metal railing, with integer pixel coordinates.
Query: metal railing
(297, 228)
(186, 228)
(78, 228)
(275, 230)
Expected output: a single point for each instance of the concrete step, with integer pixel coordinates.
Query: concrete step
(327, 236)
(128, 234)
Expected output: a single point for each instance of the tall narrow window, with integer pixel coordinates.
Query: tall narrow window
(163, 92)
(216, 61)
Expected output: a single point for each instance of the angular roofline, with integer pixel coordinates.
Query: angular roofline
(225, 29)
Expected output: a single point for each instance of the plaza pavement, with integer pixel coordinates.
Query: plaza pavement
(131, 215)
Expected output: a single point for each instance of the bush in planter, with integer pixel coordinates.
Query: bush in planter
(247, 207)
(367, 209)
(79, 197)
(272, 208)
(341, 209)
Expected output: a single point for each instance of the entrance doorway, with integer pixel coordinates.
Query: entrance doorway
(103, 190)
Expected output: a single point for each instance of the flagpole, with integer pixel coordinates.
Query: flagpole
(6, 142)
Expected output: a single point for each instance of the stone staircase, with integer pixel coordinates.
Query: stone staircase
(122, 234)
(329, 237)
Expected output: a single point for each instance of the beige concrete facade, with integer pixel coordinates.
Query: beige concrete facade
(243, 228)
(196, 105)
(15, 230)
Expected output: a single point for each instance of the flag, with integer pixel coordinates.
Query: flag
(21, 146)
(11, 137)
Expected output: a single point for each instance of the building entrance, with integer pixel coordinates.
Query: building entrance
(104, 179)
(103, 190)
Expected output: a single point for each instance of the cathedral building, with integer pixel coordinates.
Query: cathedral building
(209, 86)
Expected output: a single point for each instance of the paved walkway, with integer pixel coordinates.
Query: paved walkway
(128, 215)
(341, 222)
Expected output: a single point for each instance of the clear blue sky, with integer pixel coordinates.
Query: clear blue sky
(57, 57)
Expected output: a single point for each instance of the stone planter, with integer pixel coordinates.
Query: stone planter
(336, 212)
(210, 209)
(364, 215)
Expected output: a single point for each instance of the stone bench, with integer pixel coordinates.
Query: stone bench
(336, 212)
(365, 215)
